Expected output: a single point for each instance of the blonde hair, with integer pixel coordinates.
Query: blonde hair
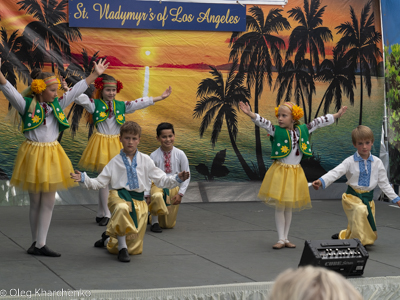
(313, 283)
(362, 133)
(130, 127)
(296, 111)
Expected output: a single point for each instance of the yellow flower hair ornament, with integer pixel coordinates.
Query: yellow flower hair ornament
(38, 86)
(297, 113)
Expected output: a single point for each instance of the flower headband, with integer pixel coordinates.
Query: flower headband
(100, 84)
(39, 85)
(297, 111)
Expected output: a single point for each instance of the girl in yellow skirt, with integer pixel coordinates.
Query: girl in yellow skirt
(41, 166)
(108, 116)
(285, 185)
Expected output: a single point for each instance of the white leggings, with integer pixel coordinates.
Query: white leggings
(40, 213)
(102, 209)
(283, 218)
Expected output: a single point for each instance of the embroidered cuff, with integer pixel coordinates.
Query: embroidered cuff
(83, 177)
(395, 200)
(178, 179)
(323, 182)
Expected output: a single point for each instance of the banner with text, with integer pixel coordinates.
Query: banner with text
(157, 15)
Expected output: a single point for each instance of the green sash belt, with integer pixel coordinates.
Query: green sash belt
(166, 193)
(127, 196)
(365, 198)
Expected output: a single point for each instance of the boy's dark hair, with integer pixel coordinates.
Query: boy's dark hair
(362, 133)
(163, 126)
(130, 127)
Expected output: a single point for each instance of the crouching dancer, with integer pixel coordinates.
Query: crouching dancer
(129, 174)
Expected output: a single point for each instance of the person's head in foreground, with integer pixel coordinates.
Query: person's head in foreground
(313, 283)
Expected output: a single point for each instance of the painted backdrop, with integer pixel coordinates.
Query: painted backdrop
(320, 54)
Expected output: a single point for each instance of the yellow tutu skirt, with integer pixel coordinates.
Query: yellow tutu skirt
(42, 167)
(100, 149)
(285, 186)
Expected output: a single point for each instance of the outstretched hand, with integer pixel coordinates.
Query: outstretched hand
(64, 84)
(245, 107)
(183, 175)
(100, 66)
(317, 184)
(76, 176)
(340, 112)
(166, 93)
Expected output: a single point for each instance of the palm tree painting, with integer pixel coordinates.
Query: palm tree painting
(258, 48)
(341, 80)
(360, 39)
(11, 61)
(50, 34)
(219, 102)
(298, 77)
(310, 37)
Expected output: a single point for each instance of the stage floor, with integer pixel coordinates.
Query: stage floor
(212, 243)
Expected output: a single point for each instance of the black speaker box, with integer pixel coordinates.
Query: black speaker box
(348, 257)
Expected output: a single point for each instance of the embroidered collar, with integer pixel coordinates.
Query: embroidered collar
(357, 157)
(133, 181)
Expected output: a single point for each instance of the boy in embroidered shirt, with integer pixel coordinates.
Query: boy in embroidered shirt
(364, 172)
(129, 174)
(164, 203)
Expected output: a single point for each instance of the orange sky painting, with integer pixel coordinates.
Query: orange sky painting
(180, 47)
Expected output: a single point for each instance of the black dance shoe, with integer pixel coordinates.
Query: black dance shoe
(156, 228)
(335, 236)
(98, 219)
(104, 221)
(45, 251)
(123, 255)
(100, 243)
(31, 248)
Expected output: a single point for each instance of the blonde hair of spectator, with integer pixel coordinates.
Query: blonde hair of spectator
(313, 283)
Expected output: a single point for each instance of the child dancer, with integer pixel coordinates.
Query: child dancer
(364, 172)
(285, 185)
(129, 174)
(41, 166)
(164, 203)
(108, 115)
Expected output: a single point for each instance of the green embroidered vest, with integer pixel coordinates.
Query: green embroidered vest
(282, 143)
(30, 123)
(101, 111)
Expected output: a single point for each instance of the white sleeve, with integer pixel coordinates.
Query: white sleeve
(69, 96)
(159, 177)
(86, 102)
(100, 181)
(264, 123)
(15, 98)
(335, 174)
(134, 105)
(320, 122)
(383, 181)
(184, 166)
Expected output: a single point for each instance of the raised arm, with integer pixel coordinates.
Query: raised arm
(325, 120)
(12, 95)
